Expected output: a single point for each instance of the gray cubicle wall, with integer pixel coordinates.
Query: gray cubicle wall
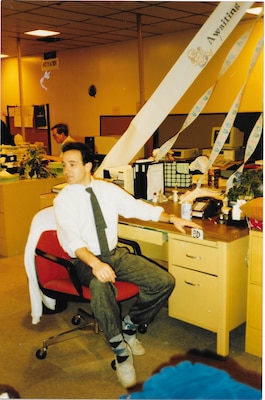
(198, 134)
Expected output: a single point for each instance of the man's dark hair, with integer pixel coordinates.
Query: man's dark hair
(61, 128)
(83, 148)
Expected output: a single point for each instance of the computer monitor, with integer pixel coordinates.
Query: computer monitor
(122, 176)
(234, 140)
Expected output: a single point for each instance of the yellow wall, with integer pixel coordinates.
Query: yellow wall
(114, 71)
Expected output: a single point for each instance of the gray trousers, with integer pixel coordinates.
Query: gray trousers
(155, 286)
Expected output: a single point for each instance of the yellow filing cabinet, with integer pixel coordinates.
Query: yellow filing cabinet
(211, 284)
(254, 297)
(19, 202)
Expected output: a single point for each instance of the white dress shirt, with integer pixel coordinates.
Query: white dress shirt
(75, 220)
(67, 140)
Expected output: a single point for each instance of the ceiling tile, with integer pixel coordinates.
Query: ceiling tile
(89, 23)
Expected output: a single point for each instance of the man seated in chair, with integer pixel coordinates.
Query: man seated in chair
(97, 266)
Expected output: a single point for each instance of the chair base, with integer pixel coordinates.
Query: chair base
(41, 353)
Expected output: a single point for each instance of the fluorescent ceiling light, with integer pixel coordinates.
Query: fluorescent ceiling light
(42, 33)
(255, 10)
(3, 56)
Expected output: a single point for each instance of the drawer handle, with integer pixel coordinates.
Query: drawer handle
(192, 284)
(194, 257)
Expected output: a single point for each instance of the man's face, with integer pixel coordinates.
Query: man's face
(74, 170)
(58, 137)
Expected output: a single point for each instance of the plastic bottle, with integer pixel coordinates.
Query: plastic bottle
(175, 196)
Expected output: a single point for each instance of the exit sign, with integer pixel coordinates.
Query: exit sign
(50, 64)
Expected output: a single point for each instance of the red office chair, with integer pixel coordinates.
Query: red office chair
(58, 279)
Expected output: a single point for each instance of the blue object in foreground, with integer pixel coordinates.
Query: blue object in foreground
(193, 381)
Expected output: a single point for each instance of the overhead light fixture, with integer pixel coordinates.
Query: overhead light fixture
(49, 39)
(3, 56)
(255, 10)
(42, 33)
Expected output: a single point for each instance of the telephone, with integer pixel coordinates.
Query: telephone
(205, 207)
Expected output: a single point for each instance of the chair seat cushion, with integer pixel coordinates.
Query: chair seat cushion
(65, 286)
(125, 290)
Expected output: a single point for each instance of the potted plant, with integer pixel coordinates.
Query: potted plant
(34, 164)
(246, 186)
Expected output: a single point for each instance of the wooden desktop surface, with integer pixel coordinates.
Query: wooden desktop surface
(211, 230)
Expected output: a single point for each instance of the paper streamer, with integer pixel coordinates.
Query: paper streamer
(230, 118)
(45, 76)
(206, 42)
(201, 103)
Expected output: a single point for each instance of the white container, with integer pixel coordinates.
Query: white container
(186, 209)
(155, 199)
(175, 196)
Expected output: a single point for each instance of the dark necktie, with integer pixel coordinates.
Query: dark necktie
(100, 226)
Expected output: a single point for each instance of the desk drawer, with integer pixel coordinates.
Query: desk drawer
(144, 235)
(194, 299)
(194, 256)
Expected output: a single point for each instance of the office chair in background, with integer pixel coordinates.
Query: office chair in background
(57, 279)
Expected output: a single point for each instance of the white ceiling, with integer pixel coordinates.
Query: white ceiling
(93, 23)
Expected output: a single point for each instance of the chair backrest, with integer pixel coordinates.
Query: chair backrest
(46, 269)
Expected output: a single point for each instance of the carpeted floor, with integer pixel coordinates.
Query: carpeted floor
(80, 368)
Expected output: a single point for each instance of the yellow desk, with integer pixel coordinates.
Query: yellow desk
(254, 299)
(211, 273)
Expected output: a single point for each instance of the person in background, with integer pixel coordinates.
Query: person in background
(77, 233)
(60, 133)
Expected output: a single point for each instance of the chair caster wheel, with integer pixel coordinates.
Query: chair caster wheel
(142, 328)
(76, 320)
(41, 353)
(113, 365)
